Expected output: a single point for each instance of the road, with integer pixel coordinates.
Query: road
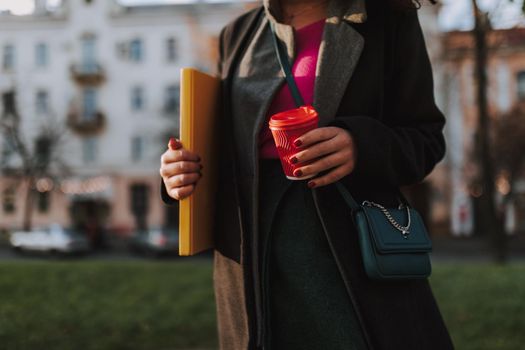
(445, 249)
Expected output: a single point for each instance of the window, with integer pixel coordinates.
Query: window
(9, 57)
(43, 146)
(41, 55)
(140, 203)
(135, 52)
(172, 99)
(9, 103)
(8, 147)
(131, 50)
(89, 64)
(171, 50)
(89, 150)
(89, 104)
(502, 79)
(42, 102)
(8, 202)
(137, 148)
(43, 201)
(137, 98)
(521, 85)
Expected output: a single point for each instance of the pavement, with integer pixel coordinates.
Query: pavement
(445, 249)
(475, 249)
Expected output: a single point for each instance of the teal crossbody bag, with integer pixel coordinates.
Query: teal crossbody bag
(394, 242)
(390, 250)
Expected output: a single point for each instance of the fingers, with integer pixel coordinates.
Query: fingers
(180, 170)
(317, 150)
(316, 135)
(325, 163)
(182, 180)
(181, 192)
(339, 141)
(182, 167)
(332, 176)
(181, 185)
(171, 156)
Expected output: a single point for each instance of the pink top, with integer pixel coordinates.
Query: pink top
(307, 42)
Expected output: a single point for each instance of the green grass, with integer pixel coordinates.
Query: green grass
(483, 305)
(169, 305)
(106, 305)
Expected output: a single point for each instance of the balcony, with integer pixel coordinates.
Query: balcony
(86, 126)
(88, 73)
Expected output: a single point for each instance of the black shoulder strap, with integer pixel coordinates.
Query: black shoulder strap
(282, 56)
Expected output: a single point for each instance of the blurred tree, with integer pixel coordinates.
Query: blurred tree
(508, 139)
(489, 219)
(28, 160)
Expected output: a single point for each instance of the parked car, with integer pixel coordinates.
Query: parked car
(54, 239)
(155, 241)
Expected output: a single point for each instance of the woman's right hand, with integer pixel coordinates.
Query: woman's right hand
(180, 170)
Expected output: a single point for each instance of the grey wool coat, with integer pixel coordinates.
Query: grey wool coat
(373, 79)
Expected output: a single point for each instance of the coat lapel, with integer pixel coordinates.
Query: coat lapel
(339, 53)
(335, 67)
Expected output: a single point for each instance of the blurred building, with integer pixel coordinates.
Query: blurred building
(506, 75)
(110, 73)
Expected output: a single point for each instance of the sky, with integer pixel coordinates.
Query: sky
(455, 14)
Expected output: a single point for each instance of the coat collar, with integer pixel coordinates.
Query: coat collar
(353, 11)
(339, 53)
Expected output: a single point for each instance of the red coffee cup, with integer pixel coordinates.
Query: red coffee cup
(286, 127)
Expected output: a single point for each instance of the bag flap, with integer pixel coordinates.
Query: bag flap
(388, 239)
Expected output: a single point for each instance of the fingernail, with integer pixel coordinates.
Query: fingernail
(298, 173)
(311, 184)
(297, 143)
(174, 143)
(293, 160)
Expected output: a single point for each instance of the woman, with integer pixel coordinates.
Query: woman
(288, 270)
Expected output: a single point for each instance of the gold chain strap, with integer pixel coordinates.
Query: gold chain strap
(403, 229)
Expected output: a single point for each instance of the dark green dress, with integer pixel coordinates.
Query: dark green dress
(305, 299)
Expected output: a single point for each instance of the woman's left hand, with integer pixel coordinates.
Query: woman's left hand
(332, 148)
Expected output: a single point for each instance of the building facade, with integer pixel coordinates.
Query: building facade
(506, 90)
(110, 73)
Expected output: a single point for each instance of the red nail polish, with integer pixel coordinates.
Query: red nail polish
(294, 160)
(174, 144)
(298, 173)
(297, 143)
(311, 184)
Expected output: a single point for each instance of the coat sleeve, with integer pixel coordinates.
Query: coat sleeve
(404, 147)
(166, 198)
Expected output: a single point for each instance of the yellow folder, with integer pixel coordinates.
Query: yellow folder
(199, 108)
